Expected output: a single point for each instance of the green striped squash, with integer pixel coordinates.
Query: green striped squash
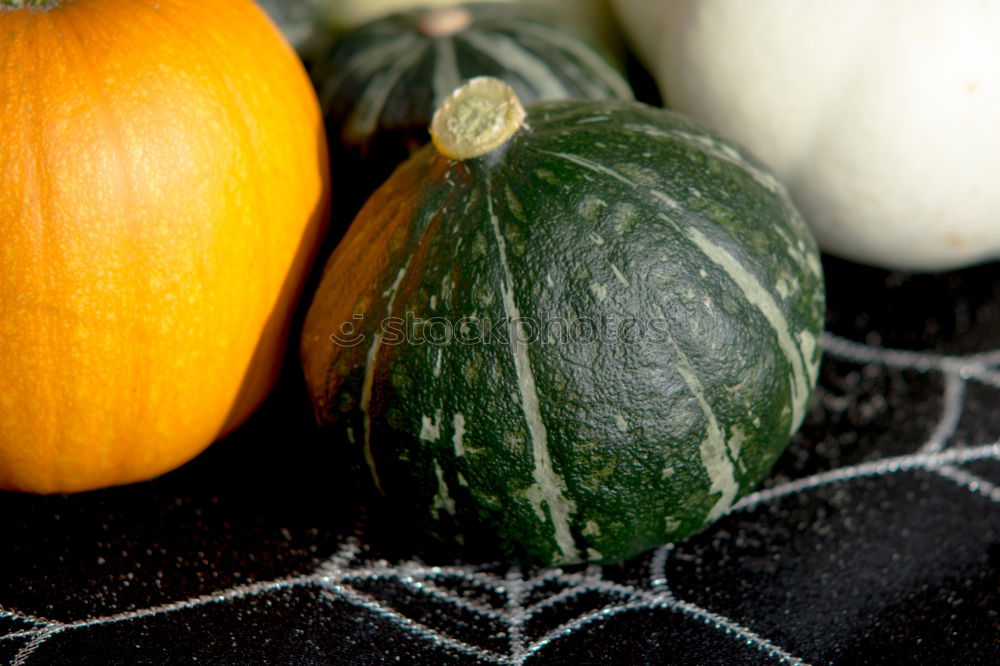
(382, 81)
(568, 336)
(311, 26)
(595, 15)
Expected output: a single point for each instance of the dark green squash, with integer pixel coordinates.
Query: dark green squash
(380, 84)
(588, 341)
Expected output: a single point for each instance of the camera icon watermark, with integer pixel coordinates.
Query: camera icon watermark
(351, 333)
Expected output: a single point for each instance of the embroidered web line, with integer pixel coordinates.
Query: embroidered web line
(335, 578)
(958, 370)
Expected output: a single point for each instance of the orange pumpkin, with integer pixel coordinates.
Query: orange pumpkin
(163, 189)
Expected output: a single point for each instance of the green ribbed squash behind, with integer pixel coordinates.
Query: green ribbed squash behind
(384, 79)
(584, 344)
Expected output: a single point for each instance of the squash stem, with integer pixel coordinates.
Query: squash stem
(477, 118)
(445, 21)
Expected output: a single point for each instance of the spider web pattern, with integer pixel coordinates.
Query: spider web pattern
(338, 578)
(505, 615)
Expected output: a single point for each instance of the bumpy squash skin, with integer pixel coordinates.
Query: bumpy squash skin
(569, 451)
(164, 190)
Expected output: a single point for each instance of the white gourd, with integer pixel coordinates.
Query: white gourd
(882, 117)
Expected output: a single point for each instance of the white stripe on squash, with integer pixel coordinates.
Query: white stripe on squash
(458, 426)
(752, 289)
(446, 75)
(548, 487)
(368, 384)
(587, 56)
(762, 299)
(362, 66)
(594, 166)
(442, 500)
(717, 150)
(621, 276)
(516, 58)
(715, 453)
(364, 118)
(430, 429)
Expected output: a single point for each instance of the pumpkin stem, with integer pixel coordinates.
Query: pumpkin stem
(22, 4)
(477, 118)
(444, 21)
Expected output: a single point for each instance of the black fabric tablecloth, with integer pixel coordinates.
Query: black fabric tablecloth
(875, 540)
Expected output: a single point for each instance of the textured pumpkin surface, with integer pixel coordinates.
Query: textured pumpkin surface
(634, 308)
(164, 188)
